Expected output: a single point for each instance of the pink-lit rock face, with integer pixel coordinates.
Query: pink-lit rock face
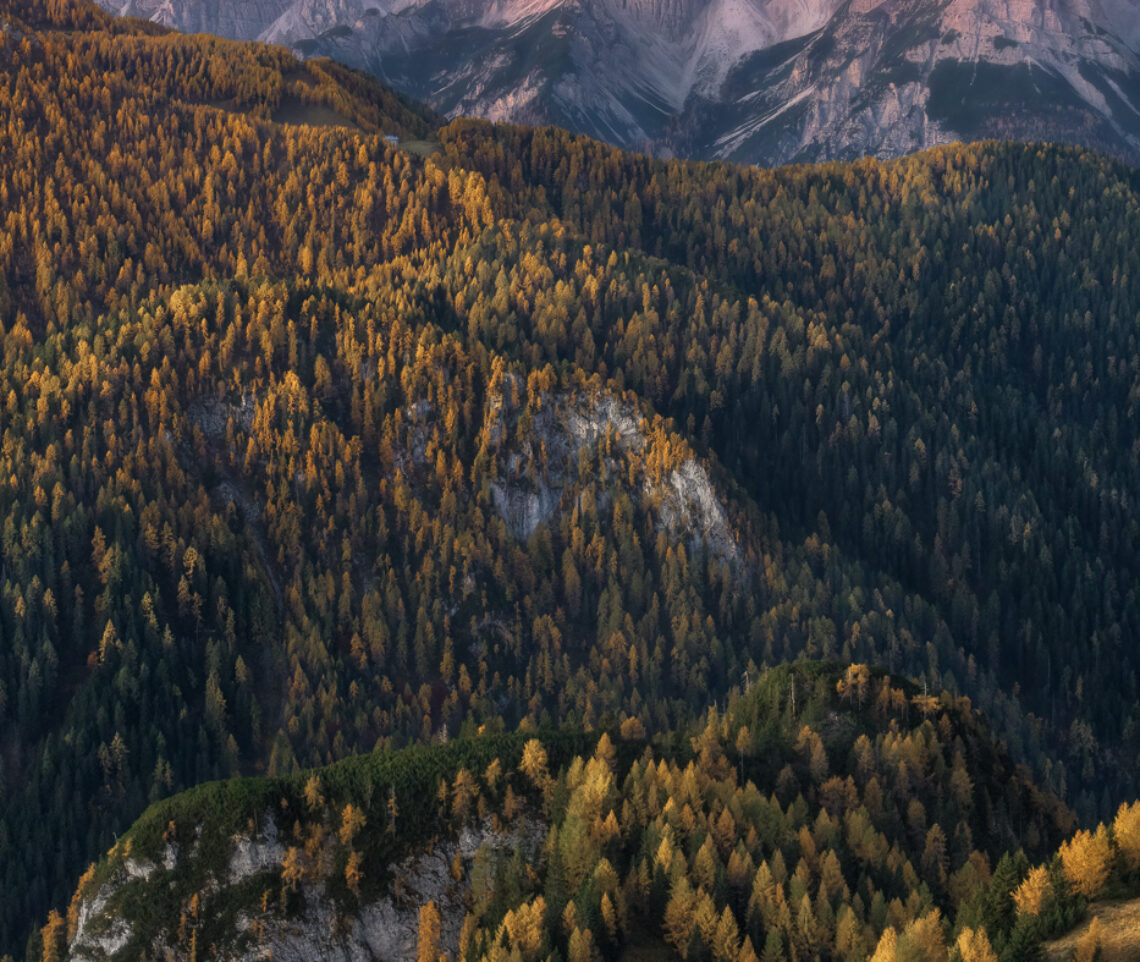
(762, 81)
(240, 21)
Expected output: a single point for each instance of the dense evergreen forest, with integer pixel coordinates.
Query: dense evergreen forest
(313, 445)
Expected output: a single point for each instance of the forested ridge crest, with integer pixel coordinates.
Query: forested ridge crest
(586, 846)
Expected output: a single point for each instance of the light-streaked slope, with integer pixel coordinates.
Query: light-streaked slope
(892, 77)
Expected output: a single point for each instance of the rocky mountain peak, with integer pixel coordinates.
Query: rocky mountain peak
(761, 81)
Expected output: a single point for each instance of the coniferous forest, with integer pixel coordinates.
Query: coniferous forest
(316, 447)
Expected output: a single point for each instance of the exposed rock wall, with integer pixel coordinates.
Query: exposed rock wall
(383, 930)
(246, 20)
(540, 470)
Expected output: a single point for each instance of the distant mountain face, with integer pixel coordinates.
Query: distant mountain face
(239, 21)
(761, 81)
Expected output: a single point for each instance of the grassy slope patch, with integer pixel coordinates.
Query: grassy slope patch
(1120, 927)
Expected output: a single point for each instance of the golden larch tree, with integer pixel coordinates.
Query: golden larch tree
(1086, 859)
(974, 946)
(1031, 894)
(534, 762)
(427, 949)
(351, 822)
(887, 949)
(1126, 830)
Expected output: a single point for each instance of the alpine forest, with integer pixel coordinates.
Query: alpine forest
(436, 539)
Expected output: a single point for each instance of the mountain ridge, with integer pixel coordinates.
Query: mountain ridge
(759, 81)
(309, 866)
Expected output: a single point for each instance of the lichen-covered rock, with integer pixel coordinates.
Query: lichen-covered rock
(99, 933)
(253, 855)
(540, 472)
(384, 929)
(690, 508)
(387, 930)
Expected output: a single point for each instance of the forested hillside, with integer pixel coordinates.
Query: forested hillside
(826, 813)
(313, 445)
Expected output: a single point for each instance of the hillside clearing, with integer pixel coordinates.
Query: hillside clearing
(421, 148)
(1120, 923)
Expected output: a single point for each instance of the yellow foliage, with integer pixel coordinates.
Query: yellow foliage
(314, 799)
(974, 946)
(726, 939)
(609, 915)
(464, 792)
(632, 729)
(887, 949)
(54, 936)
(569, 917)
(680, 915)
(492, 774)
(927, 704)
(353, 875)
(1126, 830)
(747, 952)
(1089, 943)
(292, 868)
(605, 752)
(427, 946)
(923, 939)
(1030, 895)
(77, 899)
(854, 683)
(1085, 860)
(705, 917)
(581, 947)
(351, 822)
(534, 762)
(524, 926)
(705, 864)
